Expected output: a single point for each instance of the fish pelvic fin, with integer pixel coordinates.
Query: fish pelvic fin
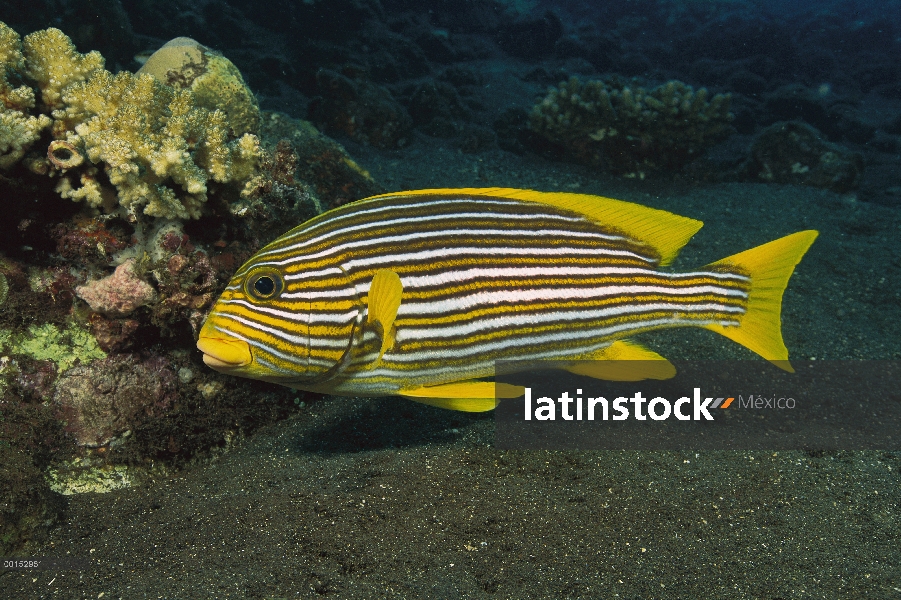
(769, 266)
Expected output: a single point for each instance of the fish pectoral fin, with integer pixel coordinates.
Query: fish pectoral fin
(466, 396)
(624, 361)
(384, 300)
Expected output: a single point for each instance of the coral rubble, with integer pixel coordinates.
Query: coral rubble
(629, 129)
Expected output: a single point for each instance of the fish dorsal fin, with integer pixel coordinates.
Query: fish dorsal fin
(661, 230)
(466, 396)
(384, 300)
(624, 361)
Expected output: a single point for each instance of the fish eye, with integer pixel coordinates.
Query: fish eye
(265, 284)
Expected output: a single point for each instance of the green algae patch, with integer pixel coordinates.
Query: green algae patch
(4, 289)
(93, 475)
(81, 477)
(64, 347)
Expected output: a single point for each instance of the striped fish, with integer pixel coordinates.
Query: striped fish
(419, 293)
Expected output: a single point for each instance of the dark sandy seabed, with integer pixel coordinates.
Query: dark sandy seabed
(371, 498)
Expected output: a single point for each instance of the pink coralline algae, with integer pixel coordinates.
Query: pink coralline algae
(119, 294)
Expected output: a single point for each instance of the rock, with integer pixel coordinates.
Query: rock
(796, 153)
(820, 107)
(104, 400)
(28, 508)
(360, 109)
(531, 38)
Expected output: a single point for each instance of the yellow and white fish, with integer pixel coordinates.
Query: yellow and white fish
(418, 293)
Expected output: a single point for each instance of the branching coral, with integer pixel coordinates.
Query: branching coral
(149, 137)
(630, 129)
(149, 147)
(52, 61)
(18, 129)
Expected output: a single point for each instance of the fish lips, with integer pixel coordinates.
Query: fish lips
(222, 353)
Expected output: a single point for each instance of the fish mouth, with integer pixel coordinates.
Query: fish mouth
(224, 353)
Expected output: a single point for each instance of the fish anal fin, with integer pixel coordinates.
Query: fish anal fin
(466, 396)
(460, 404)
(384, 300)
(661, 230)
(624, 361)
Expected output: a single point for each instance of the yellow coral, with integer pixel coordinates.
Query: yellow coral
(216, 82)
(10, 47)
(17, 133)
(157, 147)
(18, 129)
(54, 64)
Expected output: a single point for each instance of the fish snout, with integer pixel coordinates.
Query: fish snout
(224, 353)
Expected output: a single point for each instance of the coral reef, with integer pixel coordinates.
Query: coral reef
(796, 153)
(187, 282)
(629, 129)
(110, 397)
(113, 335)
(184, 63)
(18, 128)
(118, 294)
(89, 240)
(122, 141)
(316, 161)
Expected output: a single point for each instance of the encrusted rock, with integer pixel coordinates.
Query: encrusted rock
(796, 153)
(118, 294)
(109, 397)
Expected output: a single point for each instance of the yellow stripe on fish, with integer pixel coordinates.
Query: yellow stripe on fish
(419, 293)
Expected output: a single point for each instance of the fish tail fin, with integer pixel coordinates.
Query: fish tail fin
(769, 266)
